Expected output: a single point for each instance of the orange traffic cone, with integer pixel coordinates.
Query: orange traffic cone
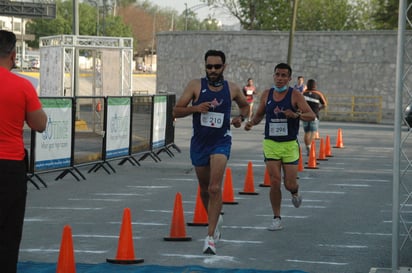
(266, 179)
(249, 187)
(200, 215)
(322, 154)
(312, 164)
(177, 229)
(328, 151)
(339, 140)
(300, 162)
(228, 195)
(66, 262)
(125, 248)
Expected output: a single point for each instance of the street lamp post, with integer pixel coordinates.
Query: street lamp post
(292, 30)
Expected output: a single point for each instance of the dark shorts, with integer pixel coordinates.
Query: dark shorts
(202, 158)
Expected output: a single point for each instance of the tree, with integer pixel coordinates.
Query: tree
(385, 13)
(63, 23)
(313, 14)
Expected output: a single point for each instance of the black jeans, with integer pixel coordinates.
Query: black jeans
(13, 192)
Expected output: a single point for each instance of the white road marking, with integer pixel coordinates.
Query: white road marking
(150, 187)
(352, 185)
(58, 250)
(342, 246)
(315, 262)
(142, 224)
(95, 199)
(64, 208)
(368, 233)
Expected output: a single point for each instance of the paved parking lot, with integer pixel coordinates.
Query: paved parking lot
(343, 226)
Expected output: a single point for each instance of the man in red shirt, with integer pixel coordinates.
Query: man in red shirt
(19, 103)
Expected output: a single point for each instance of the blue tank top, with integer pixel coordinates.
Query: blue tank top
(278, 127)
(213, 129)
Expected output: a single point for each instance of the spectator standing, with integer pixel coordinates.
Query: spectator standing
(19, 103)
(300, 85)
(283, 107)
(316, 101)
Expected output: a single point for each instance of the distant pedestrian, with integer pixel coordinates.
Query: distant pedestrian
(316, 101)
(300, 85)
(283, 107)
(249, 90)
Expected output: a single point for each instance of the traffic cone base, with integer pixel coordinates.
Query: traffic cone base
(125, 249)
(228, 196)
(249, 187)
(115, 261)
(177, 228)
(200, 214)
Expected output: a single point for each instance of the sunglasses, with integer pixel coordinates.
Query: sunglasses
(216, 66)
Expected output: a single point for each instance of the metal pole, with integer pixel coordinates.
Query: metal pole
(76, 51)
(397, 137)
(185, 16)
(292, 30)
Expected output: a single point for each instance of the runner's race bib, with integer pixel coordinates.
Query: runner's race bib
(278, 129)
(212, 119)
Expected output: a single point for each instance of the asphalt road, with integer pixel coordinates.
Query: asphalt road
(343, 225)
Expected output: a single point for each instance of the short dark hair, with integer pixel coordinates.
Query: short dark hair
(283, 66)
(311, 84)
(7, 43)
(217, 53)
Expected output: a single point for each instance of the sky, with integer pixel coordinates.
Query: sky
(197, 6)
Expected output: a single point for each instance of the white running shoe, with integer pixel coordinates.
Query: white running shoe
(297, 200)
(218, 233)
(276, 225)
(209, 247)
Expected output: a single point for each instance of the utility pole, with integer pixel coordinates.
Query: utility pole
(292, 30)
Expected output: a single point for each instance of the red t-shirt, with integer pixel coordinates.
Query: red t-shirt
(17, 97)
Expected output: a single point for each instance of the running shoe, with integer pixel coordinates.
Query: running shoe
(276, 225)
(209, 247)
(297, 200)
(218, 233)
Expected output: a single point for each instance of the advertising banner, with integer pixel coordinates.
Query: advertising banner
(118, 127)
(159, 121)
(53, 147)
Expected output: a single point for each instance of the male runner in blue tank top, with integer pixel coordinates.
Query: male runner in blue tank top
(284, 107)
(211, 101)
